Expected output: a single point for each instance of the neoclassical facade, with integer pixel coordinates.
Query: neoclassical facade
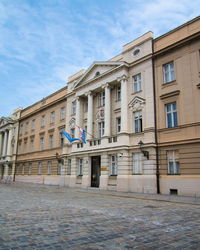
(8, 145)
(113, 102)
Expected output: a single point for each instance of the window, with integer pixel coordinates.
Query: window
(69, 166)
(137, 163)
(113, 165)
(21, 129)
(25, 146)
(168, 71)
(118, 93)
(101, 129)
(43, 121)
(26, 127)
(138, 122)
(32, 145)
(73, 132)
(86, 106)
(19, 147)
(52, 117)
(137, 83)
(29, 168)
(39, 168)
(173, 162)
(33, 125)
(118, 122)
(80, 166)
(59, 168)
(50, 141)
(61, 139)
(62, 113)
(42, 143)
(73, 107)
(49, 167)
(102, 99)
(171, 115)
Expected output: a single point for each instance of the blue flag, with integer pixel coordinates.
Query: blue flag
(70, 139)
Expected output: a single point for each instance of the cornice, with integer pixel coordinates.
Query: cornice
(167, 95)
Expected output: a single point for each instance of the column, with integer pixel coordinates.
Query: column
(78, 107)
(9, 142)
(1, 142)
(90, 116)
(5, 143)
(107, 110)
(124, 103)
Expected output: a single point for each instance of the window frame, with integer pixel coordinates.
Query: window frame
(73, 108)
(51, 141)
(39, 168)
(62, 113)
(101, 128)
(52, 117)
(113, 165)
(118, 124)
(118, 93)
(138, 121)
(102, 99)
(175, 162)
(137, 82)
(169, 71)
(49, 167)
(69, 166)
(41, 143)
(172, 113)
(80, 167)
(137, 163)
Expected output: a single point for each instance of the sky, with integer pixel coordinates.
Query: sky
(43, 42)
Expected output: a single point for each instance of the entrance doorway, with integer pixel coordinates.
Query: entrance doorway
(95, 171)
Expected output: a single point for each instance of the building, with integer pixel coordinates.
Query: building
(177, 82)
(113, 101)
(8, 145)
(40, 140)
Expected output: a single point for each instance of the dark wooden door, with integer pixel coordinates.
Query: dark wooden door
(95, 171)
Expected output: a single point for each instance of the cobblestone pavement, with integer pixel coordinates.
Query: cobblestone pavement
(50, 217)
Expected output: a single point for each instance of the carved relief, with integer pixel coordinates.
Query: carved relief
(100, 114)
(137, 103)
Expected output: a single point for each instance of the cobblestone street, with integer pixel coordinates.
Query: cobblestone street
(51, 217)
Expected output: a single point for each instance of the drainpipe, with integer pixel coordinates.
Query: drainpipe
(155, 123)
(17, 139)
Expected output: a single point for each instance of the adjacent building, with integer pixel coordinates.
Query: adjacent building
(177, 83)
(9, 127)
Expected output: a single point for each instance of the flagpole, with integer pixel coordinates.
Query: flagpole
(85, 131)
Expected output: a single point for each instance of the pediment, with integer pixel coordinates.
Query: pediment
(97, 69)
(137, 103)
(5, 121)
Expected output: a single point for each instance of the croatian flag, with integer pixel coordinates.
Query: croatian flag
(83, 134)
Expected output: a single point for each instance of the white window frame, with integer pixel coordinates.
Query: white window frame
(80, 167)
(102, 99)
(137, 167)
(172, 112)
(52, 117)
(137, 83)
(173, 162)
(113, 165)
(49, 167)
(62, 113)
(118, 93)
(69, 166)
(168, 72)
(32, 145)
(101, 128)
(42, 122)
(41, 143)
(51, 141)
(118, 124)
(73, 110)
(138, 121)
(33, 124)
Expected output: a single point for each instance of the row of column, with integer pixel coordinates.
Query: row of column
(5, 142)
(107, 109)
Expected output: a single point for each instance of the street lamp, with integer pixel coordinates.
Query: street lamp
(145, 153)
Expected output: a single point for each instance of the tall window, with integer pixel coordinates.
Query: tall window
(69, 163)
(49, 167)
(41, 143)
(171, 115)
(101, 129)
(173, 162)
(21, 129)
(113, 165)
(73, 107)
(42, 121)
(137, 163)
(61, 139)
(50, 141)
(29, 168)
(19, 147)
(102, 99)
(39, 168)
(52, 117)
(118, 93)
(137, 83)
(25, 146)
(138, 122)
(33, 124)
(72, 132)
(168, 71)
(62, 113)
(32, 145)
(26, 127)
(80, 166)
(118, 122)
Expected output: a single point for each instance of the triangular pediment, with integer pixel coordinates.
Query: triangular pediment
(4, 121)
(137, 103)
(97, 69)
